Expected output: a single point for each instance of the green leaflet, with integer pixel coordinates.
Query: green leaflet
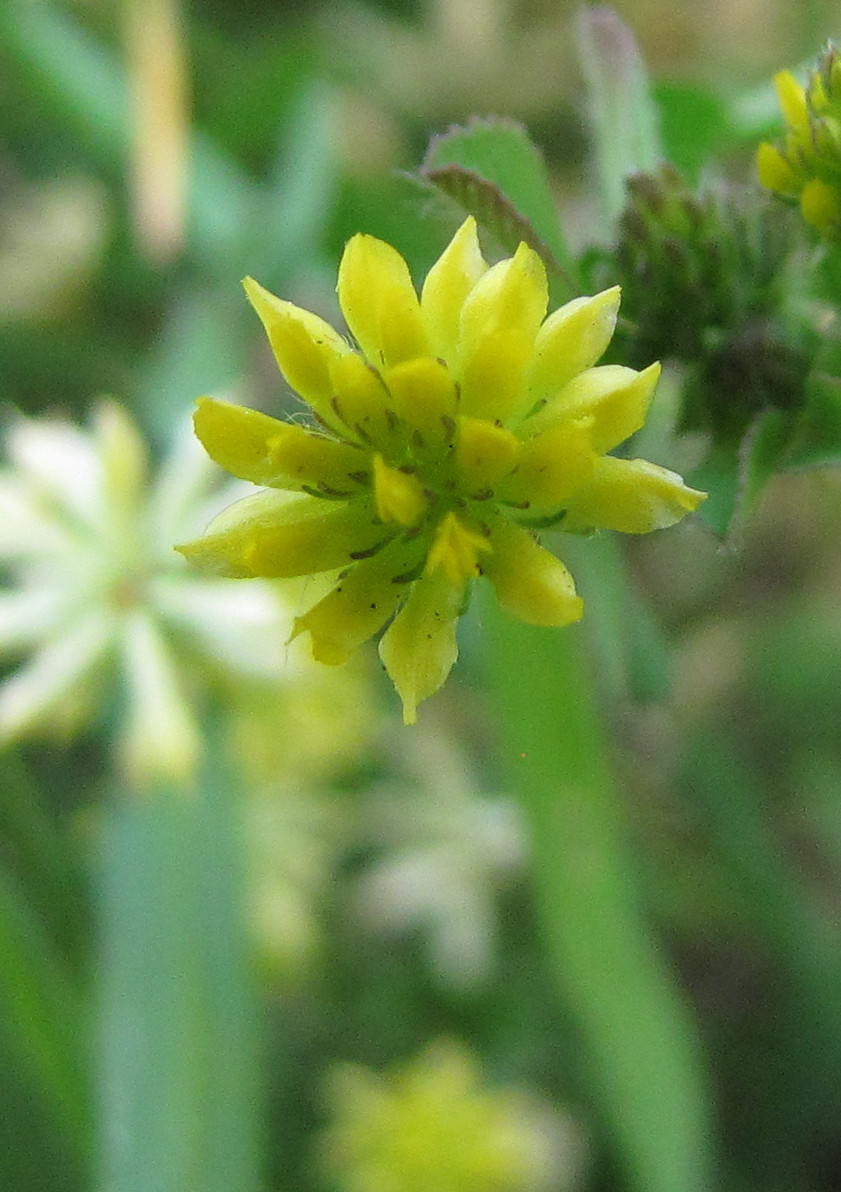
(623, 115)
(492, 169)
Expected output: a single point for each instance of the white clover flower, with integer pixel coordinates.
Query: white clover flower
(97, 602)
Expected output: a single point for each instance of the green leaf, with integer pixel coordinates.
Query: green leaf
(623, 115)
(694, 125)
(492, 169)
(816, 440)
(761, 456)
(734, 475)
(718, 477)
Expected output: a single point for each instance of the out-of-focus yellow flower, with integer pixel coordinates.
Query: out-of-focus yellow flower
(806, 165)
(465, 422)
(433, 1126)
(93, 587)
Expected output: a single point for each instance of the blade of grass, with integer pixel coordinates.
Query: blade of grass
(42, 1017)
(638, 1035)
(179, 1097)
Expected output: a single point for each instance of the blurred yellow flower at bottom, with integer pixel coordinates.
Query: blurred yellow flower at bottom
(432, 1125)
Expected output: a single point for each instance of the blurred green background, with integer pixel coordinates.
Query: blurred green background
(354, 890)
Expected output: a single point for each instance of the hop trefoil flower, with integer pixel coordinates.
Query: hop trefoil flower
(806, 165)
(462, 423)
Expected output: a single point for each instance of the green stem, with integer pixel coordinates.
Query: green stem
(637, 1034)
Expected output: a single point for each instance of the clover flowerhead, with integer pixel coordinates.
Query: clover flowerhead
(433, 1124)
(91, 593)
(460, 423)
(806, 164)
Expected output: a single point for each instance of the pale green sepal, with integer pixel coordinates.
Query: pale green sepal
(615, 397)
(159, 739)
(531, 583)
(361, 602)
(447, 285)
(632, 496)
(280, 535)
(571, 340)
(419, 648)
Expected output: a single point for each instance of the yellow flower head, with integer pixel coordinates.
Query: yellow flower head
(463, 422)
(432, 1126)
(806, 165)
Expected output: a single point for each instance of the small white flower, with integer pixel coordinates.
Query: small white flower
(446, 851)
(93, 590)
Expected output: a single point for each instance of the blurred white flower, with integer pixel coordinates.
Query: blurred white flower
(93, 590)
(294, 838)
(445, 852)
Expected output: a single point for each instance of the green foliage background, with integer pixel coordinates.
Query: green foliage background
(680, 991)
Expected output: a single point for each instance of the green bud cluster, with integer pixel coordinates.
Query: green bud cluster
(704, 279)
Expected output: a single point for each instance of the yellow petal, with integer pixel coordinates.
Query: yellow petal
(235, 438)
(424, 395)
(398, 495)
(530, 582)
(631, 495)
(280, 535)
(484, 454)
(255, 447)
(455, 550)
(820, 204)
(447, 285)
(419, 648)
(512, 294)
(552, 467)
(361, 401)
(492, 377)
(571, 340)
(304, 345)
(308, 462)
(792, 99)
(379, 302)
(775, 172)
(615, 397)
(361, 602)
